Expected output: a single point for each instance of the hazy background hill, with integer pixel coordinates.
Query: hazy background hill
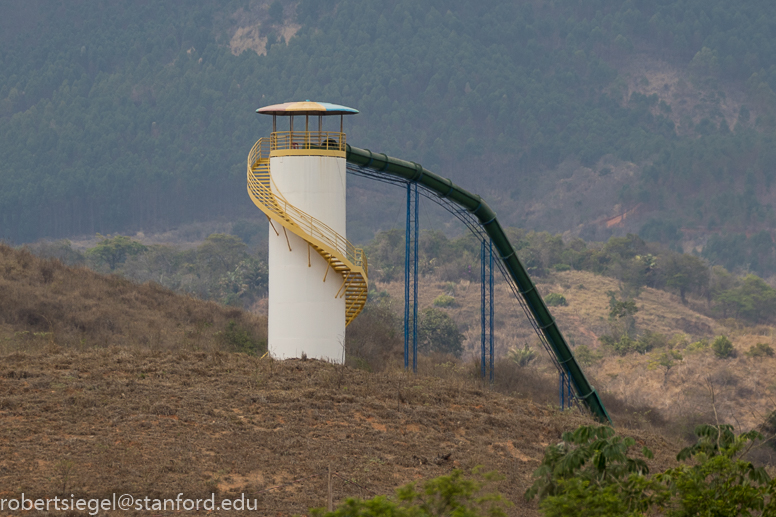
(127, 117)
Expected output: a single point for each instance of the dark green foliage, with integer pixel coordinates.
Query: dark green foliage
(248, 231)
(114, 251)
(723, 347)
(437, 332)
(139, 116)
(760, 350)
(621, 308)
(219, 269)
(590, 473)
(555, 300)
(275, 12)
(685, 273)
(241, 339)
(452, 494)
(756, 253)
(373, 340)
(769, 429)
(659, 230)
(719, 482)
(753, 299)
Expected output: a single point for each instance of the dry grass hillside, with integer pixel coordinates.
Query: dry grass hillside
(743, 388)
(44, 304)
(108, 386)
(146, 422)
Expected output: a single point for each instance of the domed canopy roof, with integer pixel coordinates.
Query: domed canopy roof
(306, 108)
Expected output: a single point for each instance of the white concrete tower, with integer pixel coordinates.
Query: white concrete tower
(317, 279)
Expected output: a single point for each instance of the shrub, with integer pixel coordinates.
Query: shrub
(452, 494)
(437, 332)
(561, 267)
(444, 300)
(698, 346)
(521, 356)
(241, 339)
(373, 339)
(723, 347)
(651, 340)
(591, 472)
(760, 350)
(626, 344)
(586, 356)
(555, 300)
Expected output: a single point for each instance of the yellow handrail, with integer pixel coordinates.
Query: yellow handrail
(277, 204)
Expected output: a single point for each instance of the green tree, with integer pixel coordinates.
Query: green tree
(723, 347)
(720, 482)
(666, 360)
(449, 495)
(220, 253)
(114, 251)
(275, 12)
(753, 299)
(685, 273)
(591, 473)
(437, 332)
(521, 356)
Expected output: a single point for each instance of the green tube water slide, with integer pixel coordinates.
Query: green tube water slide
(545, 323)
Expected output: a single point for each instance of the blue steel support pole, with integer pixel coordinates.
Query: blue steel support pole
(407, 237)
(416, 237)
(561, 389)
(491, 302)
(482, 307)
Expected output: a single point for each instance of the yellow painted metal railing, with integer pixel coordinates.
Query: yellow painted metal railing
(338, 252)
(321, 140)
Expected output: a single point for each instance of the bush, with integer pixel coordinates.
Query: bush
(585, 356)
(521, 356)
(374, 338)
(444, 300)
(626, 344)
(591, 472)
(241, 339)
(452, 494)
(760, 350)
(555, 300)
(723, 348)
(437, 332)
(698, 346)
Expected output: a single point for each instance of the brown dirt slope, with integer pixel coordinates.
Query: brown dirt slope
(154, 423)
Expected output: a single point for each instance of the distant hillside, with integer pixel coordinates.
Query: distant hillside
(139, 117)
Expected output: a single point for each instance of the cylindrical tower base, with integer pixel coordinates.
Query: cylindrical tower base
(306, 315)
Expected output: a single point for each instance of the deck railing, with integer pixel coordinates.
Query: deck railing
(320, 140)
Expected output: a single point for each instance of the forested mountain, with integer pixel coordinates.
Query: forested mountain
(120, 116)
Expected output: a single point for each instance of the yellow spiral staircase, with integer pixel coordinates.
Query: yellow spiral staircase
(340, 255)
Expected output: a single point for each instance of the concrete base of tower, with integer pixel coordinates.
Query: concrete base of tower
(306, 316)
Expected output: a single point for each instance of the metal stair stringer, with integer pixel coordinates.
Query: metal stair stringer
(341, 256)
